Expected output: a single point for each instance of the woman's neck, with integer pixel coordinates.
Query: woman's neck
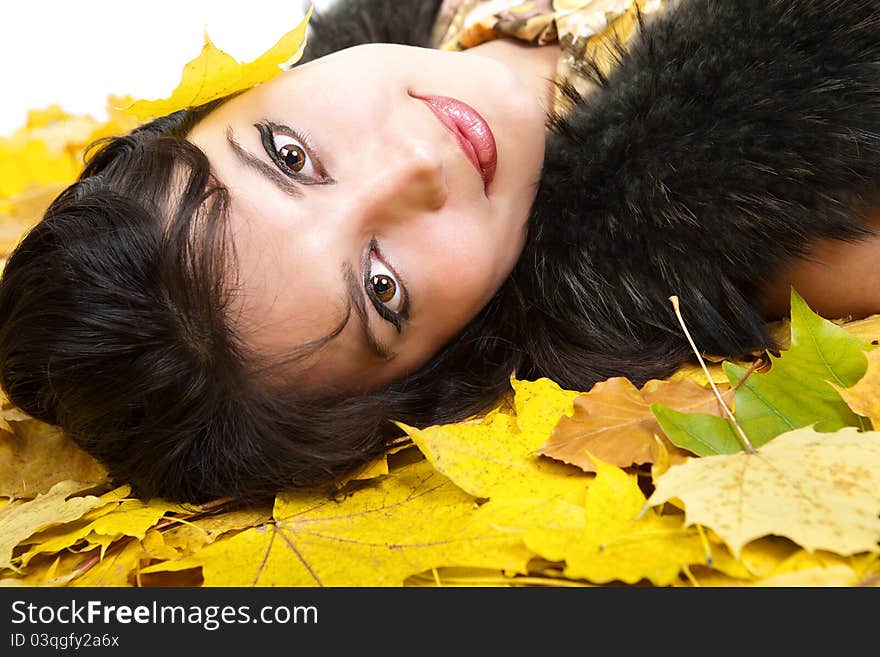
(536, 66)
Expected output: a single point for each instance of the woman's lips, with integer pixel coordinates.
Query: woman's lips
(471, 130)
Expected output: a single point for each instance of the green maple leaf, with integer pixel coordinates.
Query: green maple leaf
(700, 433)
(795, 393)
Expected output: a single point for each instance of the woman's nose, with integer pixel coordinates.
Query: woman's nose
(412, 178)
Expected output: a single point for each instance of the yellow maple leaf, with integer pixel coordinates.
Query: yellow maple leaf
(539, 405)
(190, 536)
(27, 163)
(821, 564)
(493, 459)
(116, 568)
(45, 576)
(495, 456)
(620, 540)
(864, 397)
(776, 561)
(19, 520)
(471, 577)
(126, 518)
(835, 575)
(22, 210)
(215, 74)
(762, 557)
(155, 546)
(36, 456)
(62, 535)
(821, 490)
(410, 521)
(40, 159)
(694, 372)
(866, 329)
(65, 568)
(44, 154)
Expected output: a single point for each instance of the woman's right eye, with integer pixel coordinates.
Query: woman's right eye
(290, 151)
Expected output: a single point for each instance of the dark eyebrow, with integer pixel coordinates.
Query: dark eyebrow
(282, 182)
(356, 297)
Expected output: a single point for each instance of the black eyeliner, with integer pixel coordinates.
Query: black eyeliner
(395, 319)
(268, 130)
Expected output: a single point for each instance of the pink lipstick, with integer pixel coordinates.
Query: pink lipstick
(471, 130)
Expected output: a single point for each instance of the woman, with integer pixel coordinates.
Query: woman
(226, 305)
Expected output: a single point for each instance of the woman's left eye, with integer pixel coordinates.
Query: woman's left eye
(384, 288)
(291, 153)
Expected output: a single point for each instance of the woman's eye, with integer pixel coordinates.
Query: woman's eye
(291, 153)
(384, 287)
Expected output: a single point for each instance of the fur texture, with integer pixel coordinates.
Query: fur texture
(350, 23)
(731, 135)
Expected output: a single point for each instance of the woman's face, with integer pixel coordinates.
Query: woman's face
(359, 190)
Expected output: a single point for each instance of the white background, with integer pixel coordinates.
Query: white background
(76, 52)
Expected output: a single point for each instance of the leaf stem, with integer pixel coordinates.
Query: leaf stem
(754, 366)
(742, 434)
(705, 543)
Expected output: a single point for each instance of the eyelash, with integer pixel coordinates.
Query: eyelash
(396, 319)
(269, 131)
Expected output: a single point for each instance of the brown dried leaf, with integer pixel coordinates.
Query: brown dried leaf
(614, 422)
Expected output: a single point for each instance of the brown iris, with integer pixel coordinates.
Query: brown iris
(384, 287)
(293, 156)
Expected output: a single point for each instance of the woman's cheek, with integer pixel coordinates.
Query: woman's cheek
(468, 281)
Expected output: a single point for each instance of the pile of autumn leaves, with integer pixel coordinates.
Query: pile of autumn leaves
(617, 485)
(764, 472)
